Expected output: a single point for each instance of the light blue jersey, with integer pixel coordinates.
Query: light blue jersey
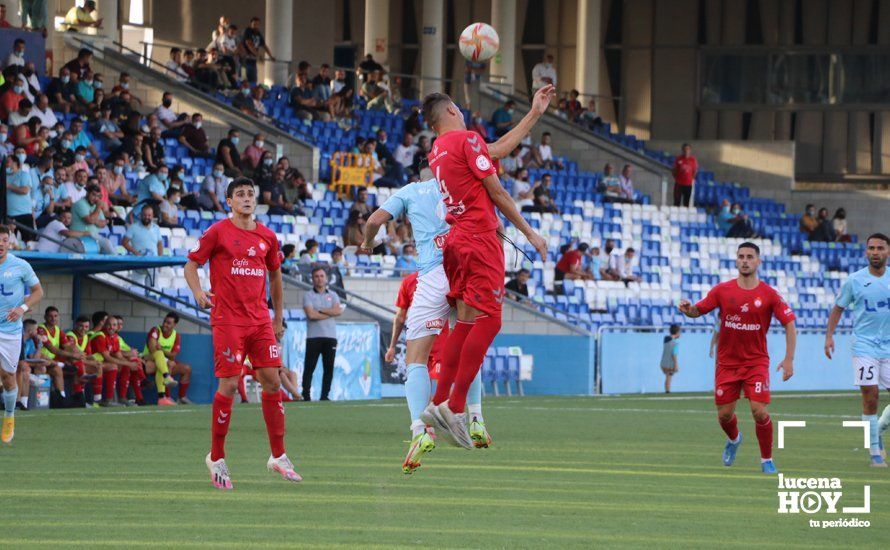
(15, 276)
(869, 298)
(423, 203)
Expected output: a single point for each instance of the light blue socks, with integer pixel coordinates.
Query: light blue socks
(474, 398)
(417, 391)
(9, 397)
(874, 443)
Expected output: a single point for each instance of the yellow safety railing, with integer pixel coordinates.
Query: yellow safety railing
(350, 170)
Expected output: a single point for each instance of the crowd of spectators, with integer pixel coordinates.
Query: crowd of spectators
(820, 228)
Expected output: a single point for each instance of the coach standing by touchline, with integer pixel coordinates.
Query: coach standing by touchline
(321, 307)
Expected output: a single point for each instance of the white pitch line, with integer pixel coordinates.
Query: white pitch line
(638, 410)
(110, 413)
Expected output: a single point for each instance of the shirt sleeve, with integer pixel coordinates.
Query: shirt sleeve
(176, 343)
(403, 300)
(395, 204)
(206, 244)
(845, 296)
(306, 302)
(28, 275)
(781, 310)
(477, 156)
(709, 303)
(131, 232)
(273, 258)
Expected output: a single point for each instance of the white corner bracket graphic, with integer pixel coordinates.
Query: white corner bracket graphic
(864, 424)
(788, 424)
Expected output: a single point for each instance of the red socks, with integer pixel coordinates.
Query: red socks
(765, 437)
(451, 360)
(183, 389)
(78, 387)
(273, 414)
(222, 415)
(472, 354)
(97, 385)
(123, 384)
(136, 378)
(110, 378)
(731, 428)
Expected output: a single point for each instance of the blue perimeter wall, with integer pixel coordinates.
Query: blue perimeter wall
(631, 363)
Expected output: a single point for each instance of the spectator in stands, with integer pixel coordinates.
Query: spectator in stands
(213, 189)
(523, 192)
(354, 230)
(309, 254)
(85, 92)
(254, 153)
(684, 170)
(254, 44)
(19, 206)
(174, 66)
(153, 150)
(272, 194)
(9, 101)
(839, 224)
(116, 184)
(407, 260)
(4, 24)
(478, 125)
(27, 138)
(589, 118)
(143, 238)
(109, 132)
(21, 114)
(808, 222)
(80, 138)
(513, 162)
(77, 188)
(257, 107)
(543, 73)
(824, 231)
(81, 63)
(375, 93)
(502, 118)
(78, 18)
(59, 230)
(227, 154)
(544, 187)
(626, 266)
(188, 65)
(194, 138)
(242, 101)
(228, 44)
(80, 160)
(16, 57)
(153, 187)
(337, 260)
(43, 112)
(610, 185)
(169, 207)
(571, 265)
(171, 123)
(404, 153)
(361, 203)
(288, 263)
(367, 66)
(6, 146)
(610, 262)
(519, 284)
(61, 91)
(574, 109)
(423, 149)
(302, 97)
(88, 217)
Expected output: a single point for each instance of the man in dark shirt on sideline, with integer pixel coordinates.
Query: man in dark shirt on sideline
(519, 284)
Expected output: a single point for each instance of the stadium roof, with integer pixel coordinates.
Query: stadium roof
(86, 264)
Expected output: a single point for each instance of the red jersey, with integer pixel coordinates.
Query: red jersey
(745, 317)
(100, 342)
(684, 169)
(460, 161)
(569, 260)
(239, 261)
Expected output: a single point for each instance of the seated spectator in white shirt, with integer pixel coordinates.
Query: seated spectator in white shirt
(77, 189)
(541, 155)
(610, 261)
(626, 265)
(512, 163)
(42, 111)
(404, 153)
(17, 56)
(59, 230)
(523, 192)
(22, 115)
(171, 123)
(174, 66)
(626, 193)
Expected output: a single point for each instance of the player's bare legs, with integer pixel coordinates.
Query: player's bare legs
(290, 382)
(730, 424)
(273, 414)
(870, 400)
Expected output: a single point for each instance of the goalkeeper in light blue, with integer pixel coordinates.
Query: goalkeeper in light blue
(867, 293)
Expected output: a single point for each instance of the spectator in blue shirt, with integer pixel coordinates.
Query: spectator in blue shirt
(19, 205)
(143, 238)
(80, 137)
(153, 187)
(85, 92)
(723, 217)
(502, 118)
(45, 205)
(407, 262)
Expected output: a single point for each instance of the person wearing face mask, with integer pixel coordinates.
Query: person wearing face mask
(734, 222)
(26, 136)
(16, 57)
(88, 216)
(170, 208)
(194, 138)
(171, 123)
(61, 92)
(502, 118)
(143, 237)
(153, 150)
(227, 154)
(212, 196)
(19, 205)
(478, 125)
(109, 131)
(808, 222)
(407, 262)
(9, 101)
(86, 92)
(116, 183)
(254, 153)
(80, 160)
(404, 153)
(6, 146)
(543, 73)
(152, 189)
(265, 169)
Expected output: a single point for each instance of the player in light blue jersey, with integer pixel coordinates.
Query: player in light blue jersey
(867, 293)
(15, 276)
(429, 310)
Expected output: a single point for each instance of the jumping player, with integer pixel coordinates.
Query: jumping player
(161, 348)
(867, 293)
(15, 275)
(747, 306)
(472, 255)
(242, 253)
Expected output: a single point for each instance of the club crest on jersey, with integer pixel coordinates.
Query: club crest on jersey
(482, 163)
(263, 246)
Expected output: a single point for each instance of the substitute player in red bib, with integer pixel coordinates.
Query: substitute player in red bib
(242, 253)
(747, 306)
(472, 255)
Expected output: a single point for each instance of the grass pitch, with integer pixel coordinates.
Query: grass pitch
(563, 472)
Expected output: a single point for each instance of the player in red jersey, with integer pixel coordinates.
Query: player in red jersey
(747, 306)
(472, 255)
(242, 253)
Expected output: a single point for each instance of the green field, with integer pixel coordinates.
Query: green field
(564, 472)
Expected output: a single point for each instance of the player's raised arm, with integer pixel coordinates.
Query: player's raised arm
(375, 221)
(833, 319)
(509, 141)
(505, 204)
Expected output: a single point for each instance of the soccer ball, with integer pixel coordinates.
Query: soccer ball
(479, 42)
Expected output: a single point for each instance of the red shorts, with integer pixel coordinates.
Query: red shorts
(231, 344)
(474, 265)
(728, 384)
